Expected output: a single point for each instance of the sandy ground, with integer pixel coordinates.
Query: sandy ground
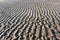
(29, 20)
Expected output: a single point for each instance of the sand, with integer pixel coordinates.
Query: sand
(30, 20)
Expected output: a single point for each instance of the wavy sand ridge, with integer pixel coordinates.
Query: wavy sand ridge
(30, 22)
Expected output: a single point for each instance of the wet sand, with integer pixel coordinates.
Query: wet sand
(30, 20)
